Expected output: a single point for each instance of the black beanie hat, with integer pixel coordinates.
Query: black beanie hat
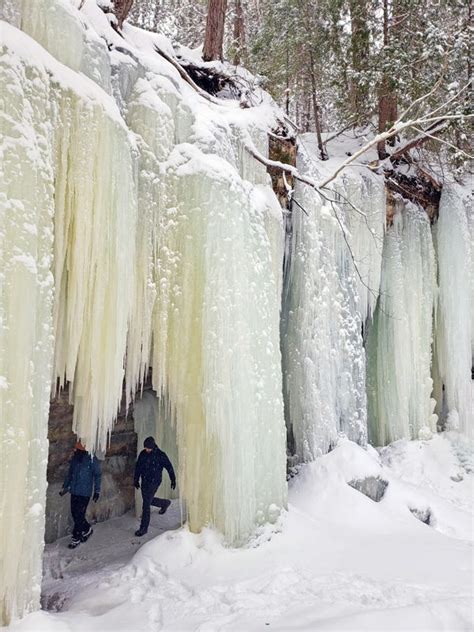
(149, 443)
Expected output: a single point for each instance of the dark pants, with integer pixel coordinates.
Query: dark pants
(148, 496)
(78, 511)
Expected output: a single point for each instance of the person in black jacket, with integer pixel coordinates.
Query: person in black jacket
(149, 469)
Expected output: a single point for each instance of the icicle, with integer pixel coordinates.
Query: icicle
(453, 321)
(399, 342)
(94, 253)
(152, 121)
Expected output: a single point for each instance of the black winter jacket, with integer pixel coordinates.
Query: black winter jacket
(150, 467)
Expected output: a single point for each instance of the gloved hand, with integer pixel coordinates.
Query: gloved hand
(173, 484)
(95, 497)
(137, 485)
(63, 491)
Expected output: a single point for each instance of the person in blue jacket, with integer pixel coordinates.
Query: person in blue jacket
(82, 479)
(149, 469)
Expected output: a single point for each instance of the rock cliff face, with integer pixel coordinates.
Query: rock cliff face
(117, 494)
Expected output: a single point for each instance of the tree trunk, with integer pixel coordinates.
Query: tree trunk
(214, 38)
(317, 119)
(121, 10)
(239, 32)
(360, 40)
(387, 92)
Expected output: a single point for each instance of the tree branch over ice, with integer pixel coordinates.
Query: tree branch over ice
(437, 123)
(396, 129)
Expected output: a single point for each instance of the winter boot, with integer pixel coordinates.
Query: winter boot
(73, 543)
(85, 536)
(140, 532)
(165, 507)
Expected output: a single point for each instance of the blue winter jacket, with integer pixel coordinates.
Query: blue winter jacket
(84, 474)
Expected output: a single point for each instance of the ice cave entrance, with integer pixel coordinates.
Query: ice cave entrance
(147, 416)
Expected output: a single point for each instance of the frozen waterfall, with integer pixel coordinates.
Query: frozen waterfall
(167, 252)
(331, 284)
(141, 234)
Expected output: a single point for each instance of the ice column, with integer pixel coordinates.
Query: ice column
(206, 309)
(399, 342)
(323, 355)
(453, 316)
(362, 198)
(26, 340)
(215, 349)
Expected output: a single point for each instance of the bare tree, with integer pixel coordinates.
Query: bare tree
(121, 10)
(317, 118)
(434, 118)
(214, 38)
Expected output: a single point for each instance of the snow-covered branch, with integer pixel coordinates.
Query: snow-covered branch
(396, 129)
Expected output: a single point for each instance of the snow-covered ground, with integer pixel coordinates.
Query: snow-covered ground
(337, 560)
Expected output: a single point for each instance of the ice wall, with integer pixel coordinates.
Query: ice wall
(399, 342)
(60, 137)
(326, 303)
(454, 310)
(26, 325)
